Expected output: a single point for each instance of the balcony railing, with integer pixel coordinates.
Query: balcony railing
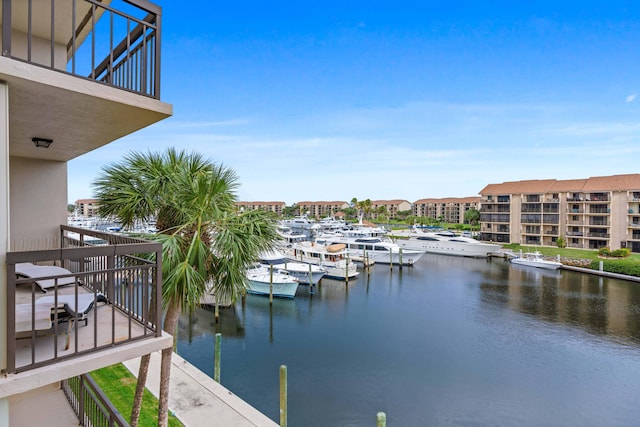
(90, 404)
(117, 47)
(105, 291)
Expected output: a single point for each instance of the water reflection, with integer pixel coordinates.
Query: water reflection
(451, 341)
(597, 305)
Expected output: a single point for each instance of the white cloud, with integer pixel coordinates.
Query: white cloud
(631, 97)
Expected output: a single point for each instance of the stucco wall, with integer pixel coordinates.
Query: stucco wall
(38, 202)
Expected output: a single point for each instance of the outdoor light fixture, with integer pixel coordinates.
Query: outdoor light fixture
(42, 142)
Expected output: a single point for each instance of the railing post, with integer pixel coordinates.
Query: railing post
(6, 27)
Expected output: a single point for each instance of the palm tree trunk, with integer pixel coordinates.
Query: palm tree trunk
(170, 326)
(140, 386)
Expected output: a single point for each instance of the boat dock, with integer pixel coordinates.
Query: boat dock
(196, 399)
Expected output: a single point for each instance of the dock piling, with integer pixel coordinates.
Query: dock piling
(381, 419)
(217, 351)
(283, 395)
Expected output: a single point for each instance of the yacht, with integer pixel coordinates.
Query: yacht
(442, 242)
(335, 259)
(378, 249)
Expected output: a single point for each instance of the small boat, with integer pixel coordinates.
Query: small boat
(265, 280)
(305, 273)
(535, 259)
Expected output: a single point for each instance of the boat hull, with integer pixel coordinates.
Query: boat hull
(547, 265)
(276, 284)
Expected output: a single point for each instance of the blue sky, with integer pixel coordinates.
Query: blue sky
(328, 100)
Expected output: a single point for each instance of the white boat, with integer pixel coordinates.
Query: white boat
(535, 259)
(335, 259)
(305, 273)
(374, 249)
(300, 223)
(442, 242)
(264, 280)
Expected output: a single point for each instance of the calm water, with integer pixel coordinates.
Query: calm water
(451, 341)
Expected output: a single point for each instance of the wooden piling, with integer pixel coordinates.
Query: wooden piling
(381, 419)
(400, 258)
(217, 351)
(271, 284)
(283, 396)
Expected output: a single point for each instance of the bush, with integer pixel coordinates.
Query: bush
(561, 243)
(621, 253)
(621, 266)
(604, 252)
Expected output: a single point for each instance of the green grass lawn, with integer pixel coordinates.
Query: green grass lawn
(119, 384)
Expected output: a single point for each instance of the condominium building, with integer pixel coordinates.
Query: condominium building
(451, 209)
(87, 208)
(275, 207)
(320, 209)
(588, 213)
(390, 208)
(74, 76)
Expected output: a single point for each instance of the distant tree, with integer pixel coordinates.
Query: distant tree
(71, 207)
(350, 213)
(403, 214)
(472, 216)
(354, 202)
(289, 211)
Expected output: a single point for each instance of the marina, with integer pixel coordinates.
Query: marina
(451, 341)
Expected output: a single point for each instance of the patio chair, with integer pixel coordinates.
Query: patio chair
(33, 271)
(66, 310)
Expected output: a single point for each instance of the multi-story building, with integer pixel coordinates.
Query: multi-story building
(390, 208)
(320, 209)
(74, 76)
(450, 209)
(87, 207)
(275, 207)
(588, 213)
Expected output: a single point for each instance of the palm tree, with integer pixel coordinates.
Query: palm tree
(204, 240)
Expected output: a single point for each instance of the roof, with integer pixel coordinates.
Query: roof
(471, 199)
(598, 183)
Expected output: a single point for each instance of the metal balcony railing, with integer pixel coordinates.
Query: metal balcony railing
(90, 404)
(117, 279)
(116, 43)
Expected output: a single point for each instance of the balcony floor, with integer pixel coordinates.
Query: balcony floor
(100, 321)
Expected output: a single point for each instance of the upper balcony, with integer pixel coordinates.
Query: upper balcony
(95, 300)
(82, 73)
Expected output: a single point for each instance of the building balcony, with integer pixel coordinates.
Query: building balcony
(100, 304)
(575, 234)
(81, 73)
(599, 235)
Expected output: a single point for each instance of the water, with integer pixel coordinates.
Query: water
(451, 341)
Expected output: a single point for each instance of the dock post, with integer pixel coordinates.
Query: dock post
(217, 351)
(400, 258)
(346, 270)
(271, 284)
(381, 419)
(390, 259)
(216, 310)
(283, 395)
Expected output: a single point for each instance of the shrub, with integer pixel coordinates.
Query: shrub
(621, 253)
(604, 252)
(561, 243)
(621, 266)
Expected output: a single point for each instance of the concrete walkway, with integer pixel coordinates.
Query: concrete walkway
(197, 400)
